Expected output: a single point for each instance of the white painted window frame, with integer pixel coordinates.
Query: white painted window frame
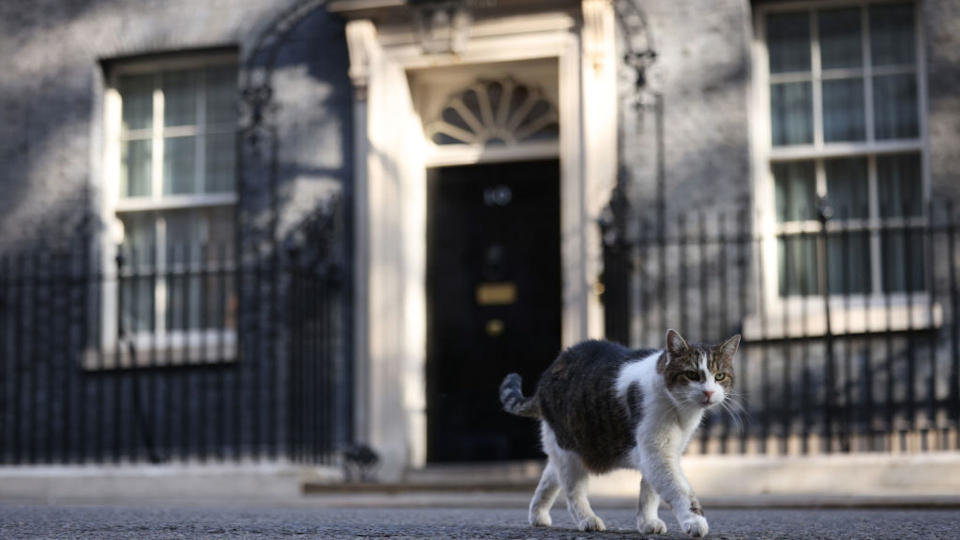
(799, 315)
(160, 343)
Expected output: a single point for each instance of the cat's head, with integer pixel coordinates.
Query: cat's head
(698, 375)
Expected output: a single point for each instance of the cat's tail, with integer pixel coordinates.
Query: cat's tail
(511, 396)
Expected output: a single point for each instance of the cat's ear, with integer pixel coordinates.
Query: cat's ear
(729, 347)
(675, 342)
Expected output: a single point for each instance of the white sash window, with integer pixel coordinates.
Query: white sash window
(171, 140)
(840, 91)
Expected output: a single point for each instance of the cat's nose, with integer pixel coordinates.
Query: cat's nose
(708, 393)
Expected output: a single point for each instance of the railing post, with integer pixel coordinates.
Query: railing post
(294, 354)
(824, 213)
(6, 397)
(954, 325)
(117, 357)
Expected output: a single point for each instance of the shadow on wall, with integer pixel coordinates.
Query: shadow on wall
(45, 153)
(702, 72)
(311, 120)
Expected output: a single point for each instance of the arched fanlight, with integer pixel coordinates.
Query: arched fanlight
(495, 112)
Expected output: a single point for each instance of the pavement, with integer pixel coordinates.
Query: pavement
(166, 520)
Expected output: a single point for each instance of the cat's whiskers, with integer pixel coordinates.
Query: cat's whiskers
(735, 402)
(736, 411)
(734, 417)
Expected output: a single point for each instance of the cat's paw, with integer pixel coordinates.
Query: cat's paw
(651, 526)
(592, 523)
(540, 519)
(695, 526)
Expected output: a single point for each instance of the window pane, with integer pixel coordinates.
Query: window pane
(840, 45)
(198, 238)
(900, 185)
(788, 40)
(895, 106)
(796, 192)
(843, 115)
(791, 112)
(221, 95)
(136, 162)
(191, 232)
(179, 158)
(136, 93)
(891, 34)
(849, 263)
(901, 254)
(138, 232)
(847, 187)
(184, 229)
(137, 285)
(221, 298)
(797, 262)
(219, 162)
(137, 302)
(180, 97)
(183, 297)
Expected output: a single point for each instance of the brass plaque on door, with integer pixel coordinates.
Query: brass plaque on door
(498, 293)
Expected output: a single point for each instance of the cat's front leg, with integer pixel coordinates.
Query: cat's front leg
(662, 471)
(648, 522)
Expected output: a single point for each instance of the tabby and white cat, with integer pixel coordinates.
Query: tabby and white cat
(603, 406)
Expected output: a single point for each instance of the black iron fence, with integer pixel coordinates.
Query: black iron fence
(184, 353)
(851, 338)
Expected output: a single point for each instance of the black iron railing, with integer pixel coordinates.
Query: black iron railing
(185, 354)
(851, 338)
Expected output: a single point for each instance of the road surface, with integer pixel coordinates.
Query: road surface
(164, 521)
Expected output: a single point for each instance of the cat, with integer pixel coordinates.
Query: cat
(603, 406)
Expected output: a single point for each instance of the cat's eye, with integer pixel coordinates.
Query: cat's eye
(692, 375)
(720, 376)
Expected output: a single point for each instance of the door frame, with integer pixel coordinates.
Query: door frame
(390, 199)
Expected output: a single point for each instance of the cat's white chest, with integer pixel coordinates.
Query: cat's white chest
(665, 428)
(668, 433)
(663, 431)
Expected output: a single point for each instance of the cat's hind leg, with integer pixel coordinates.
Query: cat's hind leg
(573, 478)
(544, 496)
(648, 522)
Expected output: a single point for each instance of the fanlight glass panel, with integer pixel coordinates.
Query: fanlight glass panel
(495, 112)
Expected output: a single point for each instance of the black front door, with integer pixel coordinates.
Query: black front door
(494, 303)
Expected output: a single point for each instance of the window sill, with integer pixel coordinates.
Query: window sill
(175, 202)
(791, 320)
(164, 351)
